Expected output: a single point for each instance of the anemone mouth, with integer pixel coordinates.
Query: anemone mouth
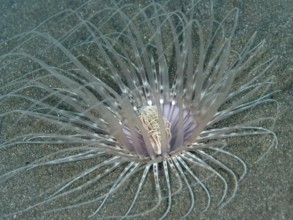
(162, 123)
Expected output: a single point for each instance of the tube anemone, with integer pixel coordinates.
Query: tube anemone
(128, 111)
